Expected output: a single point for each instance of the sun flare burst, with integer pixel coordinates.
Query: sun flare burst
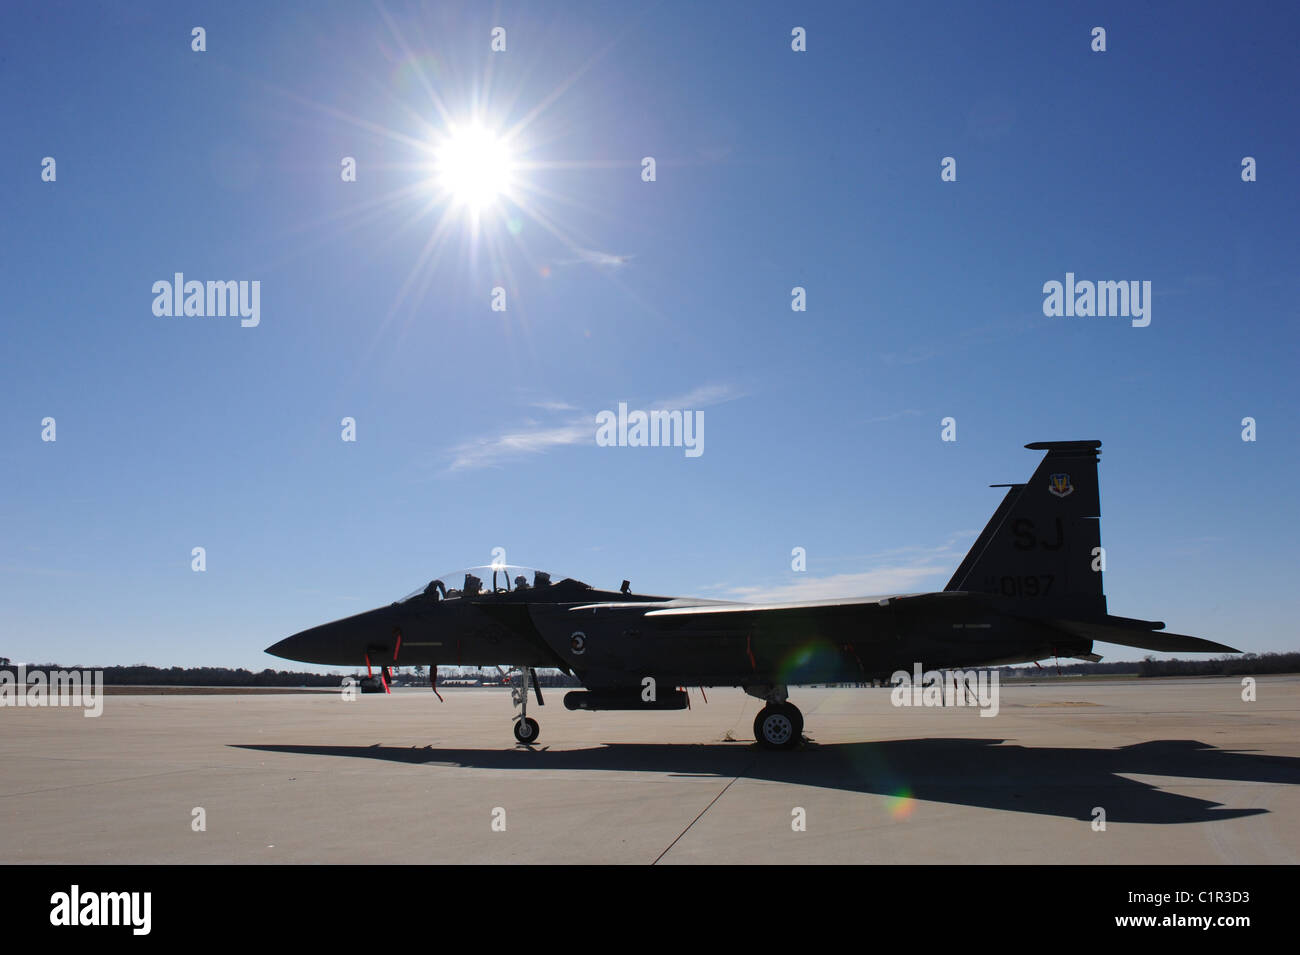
(473, 166)
(474, 179)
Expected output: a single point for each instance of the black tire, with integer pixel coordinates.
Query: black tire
(779, 726)
(527, 730)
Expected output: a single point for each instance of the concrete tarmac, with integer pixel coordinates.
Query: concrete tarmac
(1184, 771)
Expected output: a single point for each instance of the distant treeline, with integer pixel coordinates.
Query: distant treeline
(142, 675)
(1252, 663)
(1068, 669)
(545, 677)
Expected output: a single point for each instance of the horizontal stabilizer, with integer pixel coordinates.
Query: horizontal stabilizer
(1126, 634)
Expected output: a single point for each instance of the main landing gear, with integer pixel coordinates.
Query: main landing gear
(779, 724)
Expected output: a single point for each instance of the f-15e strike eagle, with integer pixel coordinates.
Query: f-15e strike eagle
(1028, 590)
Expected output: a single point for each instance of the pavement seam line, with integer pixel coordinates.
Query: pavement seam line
(701, 815)
(97, 782)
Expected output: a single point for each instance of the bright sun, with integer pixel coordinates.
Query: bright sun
(473, 166)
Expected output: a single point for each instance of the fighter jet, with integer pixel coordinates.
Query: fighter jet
(1029, 589)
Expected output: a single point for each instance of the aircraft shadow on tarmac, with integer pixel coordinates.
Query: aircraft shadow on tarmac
(985, 773)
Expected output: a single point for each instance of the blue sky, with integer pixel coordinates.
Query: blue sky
(775, 169)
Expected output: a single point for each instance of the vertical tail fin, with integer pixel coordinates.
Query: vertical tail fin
(1042, 541)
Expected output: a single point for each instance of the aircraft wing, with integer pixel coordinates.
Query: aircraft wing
(1125, 631)
(689, 606)
(690, 641)
(696, 609)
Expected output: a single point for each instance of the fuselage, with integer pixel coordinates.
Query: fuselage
(616, 639)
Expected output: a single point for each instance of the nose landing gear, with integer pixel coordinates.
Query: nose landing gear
(526, 728)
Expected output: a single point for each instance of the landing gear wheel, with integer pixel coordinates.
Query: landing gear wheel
(527, 730)
(779, 726)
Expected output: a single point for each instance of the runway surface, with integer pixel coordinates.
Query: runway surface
(1185, 772)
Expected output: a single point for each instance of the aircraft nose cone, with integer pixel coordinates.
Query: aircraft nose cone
(291, 648)
(340, 643)
(283, 648)
(322, 644)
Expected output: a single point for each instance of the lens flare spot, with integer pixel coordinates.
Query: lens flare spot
(901, 805)
(811, 662)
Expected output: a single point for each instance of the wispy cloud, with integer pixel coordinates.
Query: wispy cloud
(968, 338)
(905, 413)
(702, 397)
(489, 452)
(41, 571)
(882, 580)
(922, 569)
(1194, 546)
(535, 437)
(957, 544)
(597, 258)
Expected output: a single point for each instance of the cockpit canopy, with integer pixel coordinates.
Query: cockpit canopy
(482, 581)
